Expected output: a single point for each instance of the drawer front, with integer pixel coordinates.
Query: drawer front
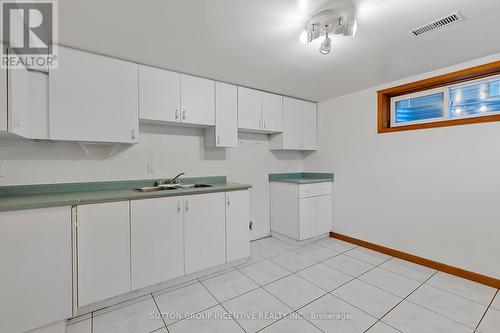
(315, 189)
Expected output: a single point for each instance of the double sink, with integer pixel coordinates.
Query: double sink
(169, 187)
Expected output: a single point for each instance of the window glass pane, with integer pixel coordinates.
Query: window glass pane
(420, 108)
(475, 100)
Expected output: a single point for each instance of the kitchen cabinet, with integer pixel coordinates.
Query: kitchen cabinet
(301, 212)
(237, 225)
(225, 132)
(272, 112)
(300, 126)
(103, 251)
(93, 98)
(159, 94)
(204, 231)
(259, 111)
(36, 278)
(197, 100)
(157, 240)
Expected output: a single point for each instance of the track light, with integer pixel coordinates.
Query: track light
(326, 46)
(326, 23)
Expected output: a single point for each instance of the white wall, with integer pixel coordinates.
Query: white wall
(433, 193)
(172, 149)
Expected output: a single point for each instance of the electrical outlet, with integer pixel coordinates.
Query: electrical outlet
(150, 167)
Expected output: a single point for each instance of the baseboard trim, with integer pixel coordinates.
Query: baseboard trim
(476, 277)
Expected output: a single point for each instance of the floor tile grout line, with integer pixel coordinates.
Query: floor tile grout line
(224, 306)
(486, 311)
(388, 270)
(452, 293)
(395, 306)
(159, 312)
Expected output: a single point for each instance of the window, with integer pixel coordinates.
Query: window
(464, 97)
(473, 99)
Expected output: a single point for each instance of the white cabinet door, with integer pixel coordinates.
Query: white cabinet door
(292, 126)
(307, 218)
(249, 109)
(272, 112)
(159, 94)
(324, 213)
(93, 98)
(103, 251)
(197, 100)
(226, 111)
(157, 241)
(36, 274)
(237, 219)
(309, 126)
(28, 109)
(204, 231)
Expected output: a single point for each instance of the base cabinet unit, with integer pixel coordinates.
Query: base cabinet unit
(36, 273)
(102, 251)
(93, 98)
(259, 111)
(237, 225)
(300, 128)
(225, 132)
(204, 231)
(157, 240)
(301, 211)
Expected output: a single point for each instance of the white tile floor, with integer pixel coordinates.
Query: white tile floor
(328, 286)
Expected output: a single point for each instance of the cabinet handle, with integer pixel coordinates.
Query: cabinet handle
(179, 207)
(186, 206)
(228, 200)
(184, 115)
(133, 134)
(176, 114)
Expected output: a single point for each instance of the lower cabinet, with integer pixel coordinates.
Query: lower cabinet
(204, 231)
(103, 251)
(301, 211)
(128, 245)
(237, 229)
(36, 274)
(157, 241)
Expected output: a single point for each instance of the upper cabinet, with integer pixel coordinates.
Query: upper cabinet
(159, 94)
(197, 100)
(225, 132)
(166, 96)
(259, 111)
(93, 98)
(300, 128)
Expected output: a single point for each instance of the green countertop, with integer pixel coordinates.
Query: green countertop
(70, 194)
(301, 177)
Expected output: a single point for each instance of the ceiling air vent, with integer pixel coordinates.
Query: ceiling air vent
(438, 24)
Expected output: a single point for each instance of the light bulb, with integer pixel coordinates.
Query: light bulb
(326, 46)
(304, 37)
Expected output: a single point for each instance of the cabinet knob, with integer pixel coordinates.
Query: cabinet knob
(264, 124)
(133, 134)
(184, 115)
(176, 114)
(186, 206)
(228, 200)
(179, 206)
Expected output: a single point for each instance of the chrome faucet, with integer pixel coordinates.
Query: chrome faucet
(170, 181)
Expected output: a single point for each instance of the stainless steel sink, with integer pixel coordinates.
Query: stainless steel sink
(168, 187)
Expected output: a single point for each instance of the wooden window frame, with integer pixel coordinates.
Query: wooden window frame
(469, 74)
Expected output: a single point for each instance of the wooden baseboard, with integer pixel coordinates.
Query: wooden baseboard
(476, 277)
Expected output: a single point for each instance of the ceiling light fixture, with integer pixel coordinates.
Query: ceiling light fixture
(327, 23)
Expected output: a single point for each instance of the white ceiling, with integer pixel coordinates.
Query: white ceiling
(255, 42)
